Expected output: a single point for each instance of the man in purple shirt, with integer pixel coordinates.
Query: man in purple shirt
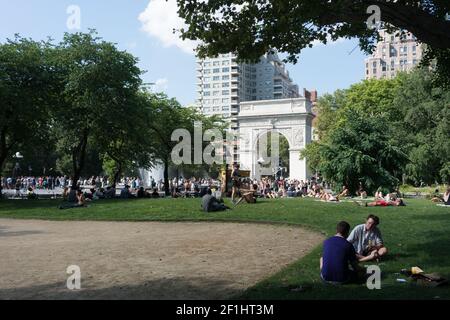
(338, 254)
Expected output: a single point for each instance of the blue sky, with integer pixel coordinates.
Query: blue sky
(144, 28)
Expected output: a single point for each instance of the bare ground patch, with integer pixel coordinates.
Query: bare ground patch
(143, 260)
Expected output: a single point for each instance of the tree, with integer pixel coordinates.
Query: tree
(168, 116)
(126, 144)
(423, 128)
(361, 150)
(26, 85)
(97, 82)
(326, 110)
(253, 28)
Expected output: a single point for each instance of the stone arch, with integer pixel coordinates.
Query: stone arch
(292, 118)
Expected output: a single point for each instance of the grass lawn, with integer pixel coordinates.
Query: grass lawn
(416, 235)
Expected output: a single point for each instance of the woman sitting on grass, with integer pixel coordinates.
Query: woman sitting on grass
(445, 198)
(344, 193)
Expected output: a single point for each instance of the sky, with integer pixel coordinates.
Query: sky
(144, 28)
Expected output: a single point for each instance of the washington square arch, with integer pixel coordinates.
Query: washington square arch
(291, 118)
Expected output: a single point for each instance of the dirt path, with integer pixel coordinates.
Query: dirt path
(143, 260)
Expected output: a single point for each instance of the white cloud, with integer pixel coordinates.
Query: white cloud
(161, 85)
(159, 19)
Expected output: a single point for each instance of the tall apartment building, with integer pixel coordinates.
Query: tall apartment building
(393, 54)
(222, 83)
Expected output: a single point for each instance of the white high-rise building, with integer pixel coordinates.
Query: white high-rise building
(393, 54)
(222, 83)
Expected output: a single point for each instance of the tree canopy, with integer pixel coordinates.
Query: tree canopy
(381, 132)
(252, 28)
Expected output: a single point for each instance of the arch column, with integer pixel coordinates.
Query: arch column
(298, 168)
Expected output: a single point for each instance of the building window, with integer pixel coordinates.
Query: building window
(226, 100)
(374, 64)
(207, 93)
(206, 79)
(206, 109)
(215, 109)
(226, 69)
(207, 64)
(216, 85)
(225, 108)
(207, 101)
(207, 71)
(216, 70)
(225, 84)
(216, 78)
(225, 62)
(225, 92)
(216, 101)
(216, 93)
(216, 63)
(206, 86)
(227, 77)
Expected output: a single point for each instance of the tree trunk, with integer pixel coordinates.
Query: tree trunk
(166, 177)
(117, 173)
(4, 151)
(78, 158)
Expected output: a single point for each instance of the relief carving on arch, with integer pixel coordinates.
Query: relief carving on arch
(299, 137)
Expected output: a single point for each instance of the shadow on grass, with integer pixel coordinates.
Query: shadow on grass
(158, 289)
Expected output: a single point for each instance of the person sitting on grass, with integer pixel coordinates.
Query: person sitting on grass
(344, 193)
(30, 194)
(367, 241)
(155, 194)
(211, 204)
(361, 192)
(250, 196)
(99, 194)
(379, 194)
(81, 200)
(447, 197)
(338, 255)
(110, 192)
(141, 193)
(125, 193)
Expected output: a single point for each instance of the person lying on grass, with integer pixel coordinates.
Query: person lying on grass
(338, 255)
(383, 203)
(367, 241)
